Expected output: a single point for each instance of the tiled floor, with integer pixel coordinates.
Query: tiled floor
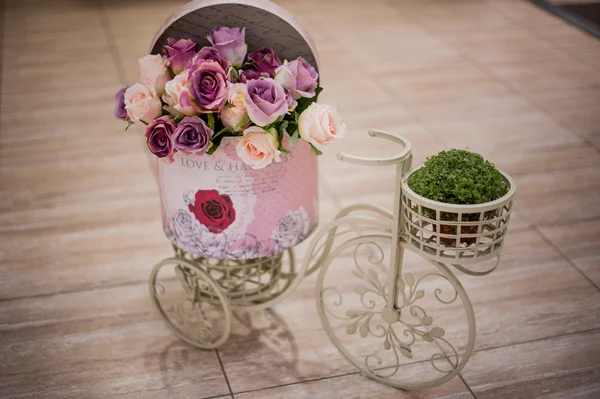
(79, 225)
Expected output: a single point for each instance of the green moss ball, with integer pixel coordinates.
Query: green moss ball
(458, 177)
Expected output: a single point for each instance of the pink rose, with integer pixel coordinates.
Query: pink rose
(154, 72)
(231, 42)
(207, 86)
(258, 148)
(142, 103)
(265, 101)
(235, 111)
(174, 89)
(320, 124)
(179, 53)
(298, 77)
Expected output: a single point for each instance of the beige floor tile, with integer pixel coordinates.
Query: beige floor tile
(534, 293)
(103, 342)
(524, 13)
(527, 77)
(559, 196)
(281, 346)
(492, 46)
(289, 345)
(579, 241)
(565, 36)
(496, 136)
(442, 17)
(462, 82)
(355, 387)
(133, 39)
(561, 367)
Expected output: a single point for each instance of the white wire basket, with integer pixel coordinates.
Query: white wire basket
(456, 234)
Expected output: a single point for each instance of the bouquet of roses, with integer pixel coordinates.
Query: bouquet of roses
(188, 100)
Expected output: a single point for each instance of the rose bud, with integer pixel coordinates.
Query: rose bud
(179, 53)
(258, 148)
(320, 124)
(298, 77)
(158, 137)
(264, 60)
(154, 72)
(192, 136)
(265, 101)
(142, 103)
(208, 87)
(209, 54)
(231, 42)
(119, 111)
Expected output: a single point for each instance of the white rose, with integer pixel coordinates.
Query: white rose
(142, 103)
(154, 72)
(172, 96)
(320, 124)
(258, 148)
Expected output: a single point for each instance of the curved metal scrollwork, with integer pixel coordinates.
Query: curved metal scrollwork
(191, 303)
(400, 331)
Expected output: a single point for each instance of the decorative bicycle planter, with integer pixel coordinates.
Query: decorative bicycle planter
(240, 256)
(235, 207)
(389, 304)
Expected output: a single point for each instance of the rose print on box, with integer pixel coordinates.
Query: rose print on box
(218, 207)
(213, 210)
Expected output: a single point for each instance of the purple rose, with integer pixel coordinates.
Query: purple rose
(231, 42)
(208, 86)
(179, 53)
(264, 60)
(209, 54)
(158, 136)
(265, 101)
(299, 77)
(192, 136)
(251, 74)
(120, 112)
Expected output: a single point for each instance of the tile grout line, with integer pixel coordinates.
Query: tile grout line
(224, 372)
(110, 41)
(76, 290)
(423, 361)
(467, 385)
(563, 255)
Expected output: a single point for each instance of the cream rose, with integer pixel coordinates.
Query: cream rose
(172, 96)
(257, 148)
(320, 124)
(154, 72)
(142, 104)
(235, 111)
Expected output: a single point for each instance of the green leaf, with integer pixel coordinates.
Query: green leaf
(318, 91)
(129, 123)
(242, 123)
(178, 118)
(296, 116)
(304, 102)
(211, 121)
(316, 150)
(235, 73)
(294, 138)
